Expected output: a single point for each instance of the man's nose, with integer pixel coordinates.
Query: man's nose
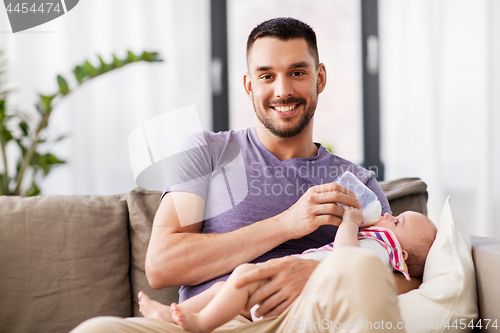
(283, 88)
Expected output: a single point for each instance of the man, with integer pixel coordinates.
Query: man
(291, 204)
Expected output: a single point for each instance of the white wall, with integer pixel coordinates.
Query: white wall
(100, 116)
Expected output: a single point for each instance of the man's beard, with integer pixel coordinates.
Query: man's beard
(298, 125)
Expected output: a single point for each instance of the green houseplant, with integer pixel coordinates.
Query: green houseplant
(26, 134)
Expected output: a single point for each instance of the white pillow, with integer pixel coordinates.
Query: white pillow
(446, 301)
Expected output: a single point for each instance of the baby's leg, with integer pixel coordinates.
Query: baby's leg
(153, 309)
(198, 302)
(228, 302)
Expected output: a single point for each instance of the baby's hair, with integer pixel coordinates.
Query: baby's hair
(417, 252)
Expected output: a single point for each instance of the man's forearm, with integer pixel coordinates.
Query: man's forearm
(207, 255)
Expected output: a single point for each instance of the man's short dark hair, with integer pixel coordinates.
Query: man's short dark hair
(285, 28)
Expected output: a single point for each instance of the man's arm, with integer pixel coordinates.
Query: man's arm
(403, 285)
(176, 242)
(178, 254)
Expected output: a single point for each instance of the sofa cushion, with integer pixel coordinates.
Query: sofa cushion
(63, 259)
(143, 205)
(446, 301)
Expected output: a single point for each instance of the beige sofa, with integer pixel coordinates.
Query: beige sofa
(64, 259)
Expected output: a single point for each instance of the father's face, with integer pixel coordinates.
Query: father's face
(283, 83)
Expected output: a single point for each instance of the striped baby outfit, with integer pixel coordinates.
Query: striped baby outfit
(386, 239)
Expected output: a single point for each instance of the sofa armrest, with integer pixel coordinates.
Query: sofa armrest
(486, 256)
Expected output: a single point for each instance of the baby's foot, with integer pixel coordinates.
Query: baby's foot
(153, 309)
(189, 321)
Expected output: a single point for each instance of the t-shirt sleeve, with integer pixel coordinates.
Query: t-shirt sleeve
(190, 169)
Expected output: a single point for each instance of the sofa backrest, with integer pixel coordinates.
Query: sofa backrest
(406, 194)
(142, 206)
(63, 259)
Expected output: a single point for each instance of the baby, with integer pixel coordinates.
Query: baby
(402, 241)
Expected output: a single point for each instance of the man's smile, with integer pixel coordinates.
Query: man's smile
(284, 108)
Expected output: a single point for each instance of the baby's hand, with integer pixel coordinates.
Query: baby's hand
(352, 214)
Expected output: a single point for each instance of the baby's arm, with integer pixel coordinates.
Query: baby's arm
(347, 233)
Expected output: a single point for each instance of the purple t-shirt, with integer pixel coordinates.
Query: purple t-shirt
(242, 182)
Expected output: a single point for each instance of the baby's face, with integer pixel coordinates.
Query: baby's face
(409, 227)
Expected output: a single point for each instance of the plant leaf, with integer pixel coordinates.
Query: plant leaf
(53, 159)
(63, 85)
(39, 108)
(23, 125)
(4, 184)
(150, 57)
(79, 73)
(61, 137)
(117, 63)
(46, 101)
(104, 67)
(131, 57)
(46, 161)
(33, 190)
(21, 146)
(5, 134)
(2, 109)
(29, 158)
(89, 69)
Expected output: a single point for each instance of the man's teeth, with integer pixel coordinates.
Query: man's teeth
(284, 108)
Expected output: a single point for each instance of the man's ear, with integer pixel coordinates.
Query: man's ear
(247, 82)
(405, 254)
(321, 77)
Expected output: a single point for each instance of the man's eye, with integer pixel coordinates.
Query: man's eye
(266, 77)
(297, 73)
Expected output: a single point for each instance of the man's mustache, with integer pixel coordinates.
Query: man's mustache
(282, 101)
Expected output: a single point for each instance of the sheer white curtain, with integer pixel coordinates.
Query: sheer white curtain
(440, 77)
(100, 116)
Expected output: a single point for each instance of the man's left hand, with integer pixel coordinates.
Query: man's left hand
(287, 275)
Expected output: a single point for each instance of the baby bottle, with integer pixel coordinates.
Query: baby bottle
(369, 202)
